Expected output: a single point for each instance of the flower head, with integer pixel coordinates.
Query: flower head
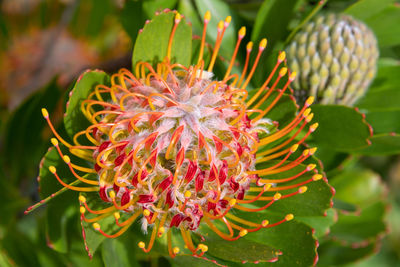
(175, 148)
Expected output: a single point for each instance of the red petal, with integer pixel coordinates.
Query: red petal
(176, 220)
(104, 145)
(135, 180)
(151, 138)
(146, 199)
(234, 185)
(118, 161)
(223, 172)
(218, 144)
(191, 171)
(125, 198)
(213, 173)
(199, 181)
(169, 200)
(102, 193)
(166, 183)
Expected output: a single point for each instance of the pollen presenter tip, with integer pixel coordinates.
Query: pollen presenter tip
(45, 113)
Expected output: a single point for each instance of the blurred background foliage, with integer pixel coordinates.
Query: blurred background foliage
(45, 44)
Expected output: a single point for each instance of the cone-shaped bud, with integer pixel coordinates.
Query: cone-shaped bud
(335, 56)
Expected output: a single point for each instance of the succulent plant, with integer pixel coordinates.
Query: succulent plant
(335, 56)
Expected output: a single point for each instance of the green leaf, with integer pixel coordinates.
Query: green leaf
(26, 147)
(189, 10)
(320, 224)
(272, 21)
(330, 159)
(74, 120)
(382, 144)
(234, 250)
(132, 9)
(152, 6)
(314, 202)
(365, 9)
(58, 216)
(389, 95)
(93, 239)
(387, 36)
(358, 228)
(294, 239)
(12, 201)
(359, 187)
(152, 43)
(340, 128)
(117, 252)
(5, 261)
(219, 11)
(191, 261)
(384, 89)
(61, 207)
(384, 121)
(333, 253)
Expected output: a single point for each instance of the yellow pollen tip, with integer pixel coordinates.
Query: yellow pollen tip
(267, 187)
(313, 150)
(277, 196)
(228, 19)
(82, 210)
(52, 169)
(311, 167)
(112, 194)
(188, 194)
(263, 43)
(232, 202)
(54, 141)
(45, 113)
(310, 117)
(242, 32)
(282, 56)
(66, 159)
(207, 16)
(306, 112)
(146, 213)
(141, 244)
(203, 247)
(283, 72)
(161, 230)
(82, 199)
(292, 76)
(289, 217)
(96, 226)
(303, 189)
(317, 177)
(310, 100)
(117, 215)
(294, 148)
(264, 223)
(243, 232)
(305, 152)
(249, 45)
(178, 17)
(314, 126)
(220, 25)
(176, 250)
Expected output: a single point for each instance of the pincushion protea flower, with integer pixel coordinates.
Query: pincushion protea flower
(175, 149)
